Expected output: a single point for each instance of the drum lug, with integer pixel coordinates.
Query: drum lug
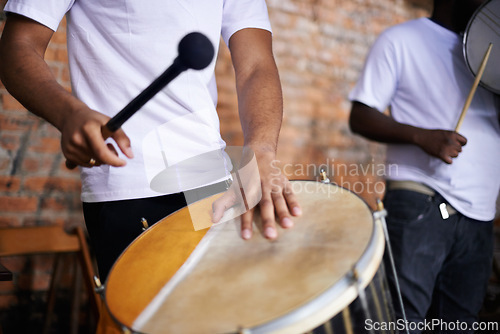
(99, 288)
(145, 224)
(381, 212)
(323, 176)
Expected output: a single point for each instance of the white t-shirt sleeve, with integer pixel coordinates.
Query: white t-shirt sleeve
(379, 78)
(46, 12)
(241, 14)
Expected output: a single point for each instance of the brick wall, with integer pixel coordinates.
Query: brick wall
(319, 45)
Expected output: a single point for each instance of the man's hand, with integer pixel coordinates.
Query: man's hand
(258, 180)
(442, 144)
(277, 196)
(82, 140)
(30, 80)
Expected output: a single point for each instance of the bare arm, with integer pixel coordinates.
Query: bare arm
(260, 106)
(29, 79)
(372, 124)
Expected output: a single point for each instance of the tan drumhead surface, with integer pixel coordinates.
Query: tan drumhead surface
(233, 284)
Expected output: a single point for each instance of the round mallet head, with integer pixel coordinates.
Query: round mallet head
(196, 51)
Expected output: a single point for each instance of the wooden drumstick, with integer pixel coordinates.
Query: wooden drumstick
(474, 87)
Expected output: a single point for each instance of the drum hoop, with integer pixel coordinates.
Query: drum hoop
(464, 48)
(345, 287)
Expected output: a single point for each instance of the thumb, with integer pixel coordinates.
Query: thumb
(221, 205)
(123, 143)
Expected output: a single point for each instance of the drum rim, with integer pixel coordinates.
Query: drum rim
(305, 311)
(464, 48)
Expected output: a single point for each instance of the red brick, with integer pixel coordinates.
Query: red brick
(56, 71)
(56, 204)
(14, 263)
(18, 204)
(65, 76)
(9, 183)
(39, 163)
(39, 184)
(10, 141)
(59, 37)
(10, 103)
(10, 122)
(9, 221)
(56, 53)
(47, 145)
(7, 300)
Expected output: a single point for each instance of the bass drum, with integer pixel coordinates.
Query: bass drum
(173, 279)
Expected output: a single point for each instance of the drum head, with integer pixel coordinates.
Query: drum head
(483, 29)
(173, 279)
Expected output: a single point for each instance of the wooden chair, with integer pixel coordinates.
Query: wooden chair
(55, 240)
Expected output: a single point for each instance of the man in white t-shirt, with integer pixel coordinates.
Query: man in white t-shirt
(115, 50)
(441, 185)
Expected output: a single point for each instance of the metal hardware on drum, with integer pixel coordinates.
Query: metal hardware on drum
(380, 215)
(361, 294)
(99, 288)
(145, 224)
(324, 177)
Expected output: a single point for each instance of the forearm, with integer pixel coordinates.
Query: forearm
(372, 124)
(260, 101)
(29, 79)
(260, 106)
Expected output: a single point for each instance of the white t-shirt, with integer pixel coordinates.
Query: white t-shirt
(116, 49)
(418, 69)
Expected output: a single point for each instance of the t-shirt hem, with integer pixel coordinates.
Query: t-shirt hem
(264, 25)
(32, 13)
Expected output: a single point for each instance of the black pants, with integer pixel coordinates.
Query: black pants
(113, 225)
(443, 264)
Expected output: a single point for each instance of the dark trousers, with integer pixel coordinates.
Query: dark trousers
(443, 264)
(113, 225)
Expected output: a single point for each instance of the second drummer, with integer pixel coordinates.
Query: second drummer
(441, 192)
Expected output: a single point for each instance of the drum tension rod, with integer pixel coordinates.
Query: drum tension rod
(379, 216)
(361, 294)
(99, 288)
(324, 177)
(145, 224)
